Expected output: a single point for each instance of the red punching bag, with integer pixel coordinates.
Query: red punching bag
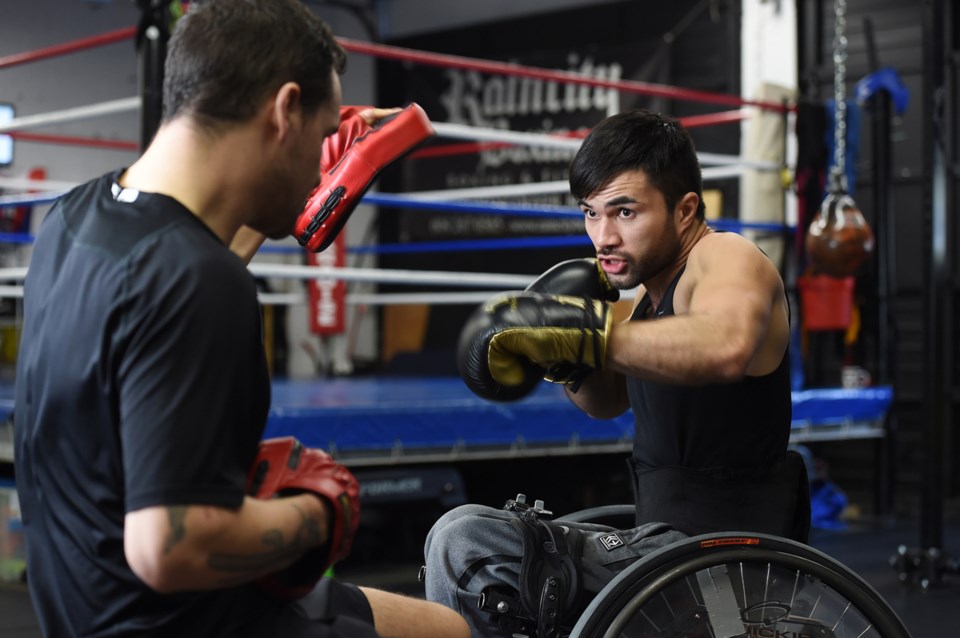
(839, 239)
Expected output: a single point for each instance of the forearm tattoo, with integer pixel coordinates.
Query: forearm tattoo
(278, 553)
(176, 514)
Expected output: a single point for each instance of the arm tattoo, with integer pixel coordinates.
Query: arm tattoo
(176, 514)
(278, 553)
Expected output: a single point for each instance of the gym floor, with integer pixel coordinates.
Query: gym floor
(865, 547)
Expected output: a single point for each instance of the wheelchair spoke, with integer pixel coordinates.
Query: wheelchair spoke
(814, 610)
(743, 583)
(652, 624)
(696, 600)
(667, 603)
(802, 607)
(845, 610)
(766, 584)
(696, 595)
(796, 581)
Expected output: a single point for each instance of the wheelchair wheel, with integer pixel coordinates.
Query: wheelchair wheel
(738, 585)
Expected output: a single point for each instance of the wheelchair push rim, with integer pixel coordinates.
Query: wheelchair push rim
(738, 584)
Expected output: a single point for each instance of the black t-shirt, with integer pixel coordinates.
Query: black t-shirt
(141, 381)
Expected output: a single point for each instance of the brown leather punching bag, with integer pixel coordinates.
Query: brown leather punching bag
(839, 239)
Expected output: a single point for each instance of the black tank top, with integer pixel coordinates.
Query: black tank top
(738, 427)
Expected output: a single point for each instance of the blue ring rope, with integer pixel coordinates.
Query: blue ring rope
(497, 208)
(16, 238)
(502, 208)
(542, 210)
(544, 241)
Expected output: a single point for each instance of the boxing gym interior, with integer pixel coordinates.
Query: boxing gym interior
(364, 362)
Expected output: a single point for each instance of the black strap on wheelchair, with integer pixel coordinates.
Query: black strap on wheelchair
(549, 576)
(549, 579)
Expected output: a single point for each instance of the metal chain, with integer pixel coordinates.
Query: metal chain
(839, 94)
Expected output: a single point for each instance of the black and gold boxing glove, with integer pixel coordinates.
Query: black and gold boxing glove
(581, 277)
(578, 277)
(514, 339)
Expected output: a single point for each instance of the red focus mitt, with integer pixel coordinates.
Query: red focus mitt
(352, 158)
(283, 467)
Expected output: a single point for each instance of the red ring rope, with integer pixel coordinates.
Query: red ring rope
(69, 140)
(508, 68)
(442, 60)
(68, 47)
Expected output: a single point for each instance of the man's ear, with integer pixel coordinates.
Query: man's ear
(687, 209)
(286, 112)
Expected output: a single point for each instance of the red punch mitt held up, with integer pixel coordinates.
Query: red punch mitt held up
(284, 467)
(352, 159)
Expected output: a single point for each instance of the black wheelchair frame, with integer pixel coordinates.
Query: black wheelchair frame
(732, 585)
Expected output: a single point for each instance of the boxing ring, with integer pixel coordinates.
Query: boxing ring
(387, 421)
(382, 421)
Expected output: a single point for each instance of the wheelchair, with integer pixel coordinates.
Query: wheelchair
(731, 585)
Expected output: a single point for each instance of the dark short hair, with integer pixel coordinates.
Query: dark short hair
(226, 56)
(639, 140)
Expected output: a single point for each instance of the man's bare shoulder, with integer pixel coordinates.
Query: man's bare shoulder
(717, 240)
(716, 247)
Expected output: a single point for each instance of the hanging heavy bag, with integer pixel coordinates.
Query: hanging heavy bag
(839, 239)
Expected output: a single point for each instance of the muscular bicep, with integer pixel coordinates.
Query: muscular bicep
(741, 292)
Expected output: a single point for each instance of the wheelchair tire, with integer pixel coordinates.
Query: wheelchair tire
(738, 584)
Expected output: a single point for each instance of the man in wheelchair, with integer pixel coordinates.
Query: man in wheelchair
(702, 360)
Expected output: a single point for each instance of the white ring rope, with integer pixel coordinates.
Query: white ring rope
(30, 199)
(24, 183)
(558, 187)
(392, 276)
(382, 299)
(443, 129)
(716, 159)
(474, 133)
(478, 134)
(398, 298)
(395, 276)
(13, 274)
(69, 115)
(358, 299)
(429, 298)
(371, 275)
(490, 192)
(352, 299)
(54, 189)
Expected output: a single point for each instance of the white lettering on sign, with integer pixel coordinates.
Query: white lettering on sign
(411, 485)
(486, 101)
